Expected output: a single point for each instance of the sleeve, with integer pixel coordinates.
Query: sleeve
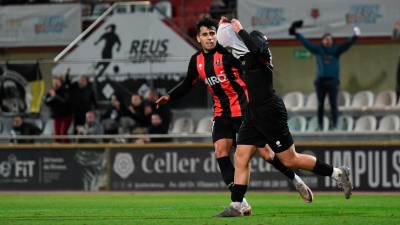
(248, 42)
(345, 46)
(186, 85)
(264, 54)
(307, 44)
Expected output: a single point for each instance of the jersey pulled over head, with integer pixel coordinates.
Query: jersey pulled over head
(230, 40)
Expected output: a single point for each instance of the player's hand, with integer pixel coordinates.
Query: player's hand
(236, 25)
(162, 100)
(357, 31)
(223, 19)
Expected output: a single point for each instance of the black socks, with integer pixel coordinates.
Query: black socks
(227, 170)
(322, 169)
(238, 192)
(283, 169)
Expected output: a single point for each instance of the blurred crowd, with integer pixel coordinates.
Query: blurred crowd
(74, 110)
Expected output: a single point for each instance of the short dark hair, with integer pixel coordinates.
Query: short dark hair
(206, 22)
(326, 35)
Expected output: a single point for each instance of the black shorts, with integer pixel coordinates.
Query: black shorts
(266, 124)
(226, 127)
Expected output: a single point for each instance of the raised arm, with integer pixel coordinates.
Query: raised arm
(345, 46)
(313, 48)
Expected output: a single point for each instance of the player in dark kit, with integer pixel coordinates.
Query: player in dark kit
(222, 75)
(265, 120)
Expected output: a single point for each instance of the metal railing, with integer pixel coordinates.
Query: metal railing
(329, 136)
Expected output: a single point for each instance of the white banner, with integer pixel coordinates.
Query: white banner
(39, 25)
(273, 17)
(136, 43)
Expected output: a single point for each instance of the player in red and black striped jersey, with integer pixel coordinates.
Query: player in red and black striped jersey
(221, 72)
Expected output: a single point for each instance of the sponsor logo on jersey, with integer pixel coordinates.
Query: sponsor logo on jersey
(213, 80)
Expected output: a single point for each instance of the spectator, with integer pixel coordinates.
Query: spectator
(396, 36)
(91, 127)
(163, 110)
(327, 81)
(157, 127)
(136, 111)
(57, 100)
(82, 100)
(20, 127)
(111, 118)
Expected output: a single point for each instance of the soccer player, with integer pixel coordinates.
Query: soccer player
(265, 120)
(222, 74)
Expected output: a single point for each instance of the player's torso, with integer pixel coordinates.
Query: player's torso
(258, 79)
(223, 81)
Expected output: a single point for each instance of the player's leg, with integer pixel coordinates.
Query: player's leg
(304, 191)
(320, 91)
(222, 149)
(292, 159)
(223, 137)
(333, 95)
(272, 126)
(243, 155)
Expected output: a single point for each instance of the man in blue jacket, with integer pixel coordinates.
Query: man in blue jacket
(327, 55)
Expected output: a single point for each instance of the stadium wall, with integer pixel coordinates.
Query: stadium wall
(375, 166)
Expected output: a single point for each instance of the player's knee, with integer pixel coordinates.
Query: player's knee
(241, 161)
(222, 148)
(219, 153)
(287, 163)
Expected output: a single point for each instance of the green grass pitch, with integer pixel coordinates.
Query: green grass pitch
(194, 209)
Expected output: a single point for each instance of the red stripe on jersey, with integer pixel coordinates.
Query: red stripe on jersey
(227, 86)
(200, 69)
(239, 80)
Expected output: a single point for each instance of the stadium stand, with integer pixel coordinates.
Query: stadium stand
(204, 126)
(311, 102)
(294, 100)
(389, 123)
(385, 100)
(297, 124)
(312, 125)
(183, 125)
(126, 125)
(365, 123)
(345, 123)
(362, 100)
(48, 127)
(344, 100)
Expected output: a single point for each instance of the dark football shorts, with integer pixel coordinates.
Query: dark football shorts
(266, 124)
(226, 127)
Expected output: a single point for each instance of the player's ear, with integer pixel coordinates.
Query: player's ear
(198, 38)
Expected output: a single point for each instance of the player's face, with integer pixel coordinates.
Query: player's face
(207, 37)
(327, 41)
